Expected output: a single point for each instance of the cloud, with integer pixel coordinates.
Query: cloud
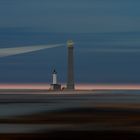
(111, 50)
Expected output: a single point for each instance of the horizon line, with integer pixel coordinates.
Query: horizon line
(46, 86)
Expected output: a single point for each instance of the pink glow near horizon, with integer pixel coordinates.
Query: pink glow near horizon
(109, 86)
(24, 86)
(78, 86)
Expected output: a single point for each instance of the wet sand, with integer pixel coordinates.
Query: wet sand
(70, 115)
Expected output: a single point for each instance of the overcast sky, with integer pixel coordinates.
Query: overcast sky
(71, 15)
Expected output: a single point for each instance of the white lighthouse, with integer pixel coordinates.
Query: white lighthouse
(54, 82)
(55, 85)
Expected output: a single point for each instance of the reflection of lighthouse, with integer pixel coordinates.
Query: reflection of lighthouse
(55, 85)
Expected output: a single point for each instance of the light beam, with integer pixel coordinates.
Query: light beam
(4, 52)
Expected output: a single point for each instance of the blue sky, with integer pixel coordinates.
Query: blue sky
(71, 16)
(106, 35)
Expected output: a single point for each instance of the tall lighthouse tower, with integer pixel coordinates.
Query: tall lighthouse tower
(70, 68)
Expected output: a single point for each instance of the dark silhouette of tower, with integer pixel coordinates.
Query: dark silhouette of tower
(70, 69)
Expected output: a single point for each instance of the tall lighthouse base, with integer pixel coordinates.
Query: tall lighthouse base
(70, 87)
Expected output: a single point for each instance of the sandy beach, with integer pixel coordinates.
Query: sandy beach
(66, 115)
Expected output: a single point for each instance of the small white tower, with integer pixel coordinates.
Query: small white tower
(55, 85)
(54, 77)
